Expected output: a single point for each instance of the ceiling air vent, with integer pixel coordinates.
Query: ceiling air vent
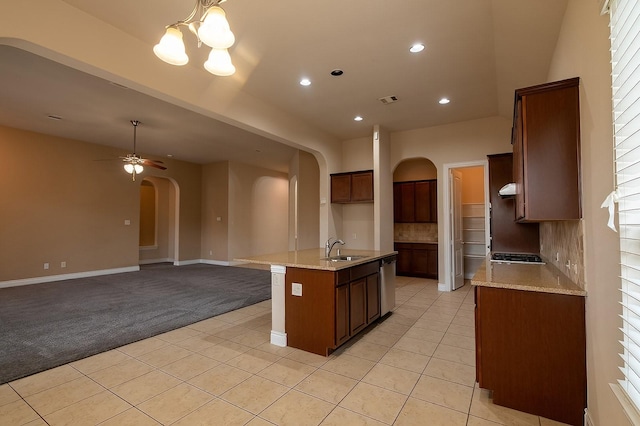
(388, 99)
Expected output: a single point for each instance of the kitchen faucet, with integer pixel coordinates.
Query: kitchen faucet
(329, 246)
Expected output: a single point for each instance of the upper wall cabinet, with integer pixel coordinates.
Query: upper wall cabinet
(546, 152)
(352, 187)
(415, 201)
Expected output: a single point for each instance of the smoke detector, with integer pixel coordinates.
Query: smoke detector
(388, 99)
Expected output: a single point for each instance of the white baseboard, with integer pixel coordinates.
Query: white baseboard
(443, 287)
(49, 278)
(278, 338)
(588, 421)
(215, 262)
(188, 262)
(151, 261)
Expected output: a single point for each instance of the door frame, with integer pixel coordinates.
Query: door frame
(447, 206)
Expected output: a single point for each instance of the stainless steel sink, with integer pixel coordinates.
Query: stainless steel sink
(345, 258)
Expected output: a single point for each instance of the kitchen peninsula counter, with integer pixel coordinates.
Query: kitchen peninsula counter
(318, 304)
(528, 277)
(316, 259)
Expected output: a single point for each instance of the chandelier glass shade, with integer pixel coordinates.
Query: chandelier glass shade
(209, 24)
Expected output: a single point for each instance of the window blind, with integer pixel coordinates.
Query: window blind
(625, 77)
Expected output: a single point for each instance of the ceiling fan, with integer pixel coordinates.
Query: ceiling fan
(133, 163)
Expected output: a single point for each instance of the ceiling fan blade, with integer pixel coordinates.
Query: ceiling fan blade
(151, 163)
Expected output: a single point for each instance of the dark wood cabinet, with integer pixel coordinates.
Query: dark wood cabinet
(508, 236)
(334, 306)
(417, 260)
(358, 305)
(373, 298)
(546, 152)
(531, 351)
(342, 314)
(352, 187)
(415, 201)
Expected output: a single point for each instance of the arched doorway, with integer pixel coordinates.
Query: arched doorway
(159, 231)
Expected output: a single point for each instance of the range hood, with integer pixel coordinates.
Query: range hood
(509, 190)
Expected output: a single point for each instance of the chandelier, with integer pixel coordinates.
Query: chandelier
(208, 23)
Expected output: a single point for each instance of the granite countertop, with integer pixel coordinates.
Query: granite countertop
(415, 242)
(529, 277)
(315, 258)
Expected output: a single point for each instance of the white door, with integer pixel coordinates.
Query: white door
(455, 183)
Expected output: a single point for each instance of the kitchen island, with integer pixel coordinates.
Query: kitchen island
(319, 303)
(531, 340)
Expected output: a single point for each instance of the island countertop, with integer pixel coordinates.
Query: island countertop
(315, 258)
(528, 277)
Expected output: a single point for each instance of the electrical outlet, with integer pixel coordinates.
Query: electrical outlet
(557, 257)
(46, 265)
(63, 264)
(296, 289)
(355, 236)
(210, 252)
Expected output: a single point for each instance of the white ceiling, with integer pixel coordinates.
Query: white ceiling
(478, 52)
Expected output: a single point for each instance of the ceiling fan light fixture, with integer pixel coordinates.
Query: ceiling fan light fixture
(128, 168)
(171, 48)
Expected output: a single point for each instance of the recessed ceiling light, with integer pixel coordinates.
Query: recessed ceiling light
(337, 73)
(170, 155)
(444, 101)
(418, 47)
(305, 82)
(358, 118)
(54, 117)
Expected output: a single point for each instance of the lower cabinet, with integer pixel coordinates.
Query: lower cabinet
(334, 306)
(417, 260)
(531, 351)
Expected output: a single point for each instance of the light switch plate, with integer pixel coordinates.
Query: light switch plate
(296, 289)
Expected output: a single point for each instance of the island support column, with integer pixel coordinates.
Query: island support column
(278, 334)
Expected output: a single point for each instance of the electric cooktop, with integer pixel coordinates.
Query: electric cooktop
(516, 258)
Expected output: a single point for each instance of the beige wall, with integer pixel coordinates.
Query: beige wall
(258, 211)
(305, 173)
(61, 205)
(583, 51)
(415, 169)
(215, 200)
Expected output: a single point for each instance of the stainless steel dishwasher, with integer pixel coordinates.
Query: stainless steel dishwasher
(387, 284)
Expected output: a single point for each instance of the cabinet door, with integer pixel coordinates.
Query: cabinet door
(397, 202)
(433, 204)
(432, 261)
(423, 201)
(408, 203)
(420, 260)
(550, 152)
(518, 162)
(341, 188)
(358, 303)
(373, 298)
(403, 260)
(362, 186)
(342, 314)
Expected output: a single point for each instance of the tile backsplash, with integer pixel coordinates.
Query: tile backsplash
(564, 241)
(415, 232)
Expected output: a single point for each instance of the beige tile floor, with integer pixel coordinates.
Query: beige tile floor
(416, 367)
